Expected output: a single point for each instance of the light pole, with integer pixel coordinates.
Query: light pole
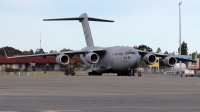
(180, 35)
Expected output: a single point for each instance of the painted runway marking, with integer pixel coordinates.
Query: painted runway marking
(8, 111)
(119, 108)
(59, 110)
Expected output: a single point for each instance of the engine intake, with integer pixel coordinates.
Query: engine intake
(92, 58)
(62, 59)
(170, 61)
(149, 59)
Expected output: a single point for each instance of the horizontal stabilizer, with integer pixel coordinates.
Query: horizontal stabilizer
(96, 19)
(84, 19)
(63, 19)
(78, 18)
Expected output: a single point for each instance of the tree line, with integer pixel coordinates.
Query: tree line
(10, 51)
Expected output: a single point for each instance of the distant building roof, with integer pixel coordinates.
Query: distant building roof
(49, 59)
(184, 56)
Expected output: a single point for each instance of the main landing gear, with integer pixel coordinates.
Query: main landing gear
(94, 73)
(129, 73)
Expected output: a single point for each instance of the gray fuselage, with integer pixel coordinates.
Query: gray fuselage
(118, 59)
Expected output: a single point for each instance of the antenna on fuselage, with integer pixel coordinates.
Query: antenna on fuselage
(83, 18)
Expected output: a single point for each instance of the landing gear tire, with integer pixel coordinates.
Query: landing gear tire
(89, 73)
(118, 74)
(100, 74)
(94, 73)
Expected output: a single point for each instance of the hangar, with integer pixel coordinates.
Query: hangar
(34, 63)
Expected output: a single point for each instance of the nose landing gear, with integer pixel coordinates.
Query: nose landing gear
(94, 73)
(129, 73)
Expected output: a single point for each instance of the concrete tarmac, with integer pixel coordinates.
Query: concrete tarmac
(99, 94)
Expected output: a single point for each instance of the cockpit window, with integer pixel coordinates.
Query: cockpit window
(130, 53)
(133, 52)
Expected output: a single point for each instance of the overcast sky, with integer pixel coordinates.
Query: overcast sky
(151, 22)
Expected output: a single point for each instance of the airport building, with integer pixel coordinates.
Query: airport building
(32, 63)
(156, 67)
(190, 65)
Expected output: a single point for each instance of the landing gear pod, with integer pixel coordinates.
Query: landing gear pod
(62, 59)
(92, 58)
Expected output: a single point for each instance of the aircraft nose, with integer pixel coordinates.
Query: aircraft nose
(135, 61)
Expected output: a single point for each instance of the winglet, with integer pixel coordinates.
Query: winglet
(5, 52)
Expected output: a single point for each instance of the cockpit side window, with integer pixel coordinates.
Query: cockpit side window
(134, 52)
(127, 53)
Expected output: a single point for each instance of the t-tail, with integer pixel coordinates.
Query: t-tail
(83, 18)
(195, 59)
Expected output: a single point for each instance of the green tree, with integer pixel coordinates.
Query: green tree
(193, 55)
(135, 47)
(10, 51)
(144, 48)
(51, 51)
(166, 52)
(31, 51)
(184, 49)
(158, 50)
(25, 53)
(65, 50)
(79, 64)
(173, 53)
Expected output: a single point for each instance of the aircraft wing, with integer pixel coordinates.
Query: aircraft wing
(70, 53)
(142, 53)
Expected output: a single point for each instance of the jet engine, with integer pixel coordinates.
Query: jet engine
(92, 58)
(170, 61)
(149, 58)
(62, 59)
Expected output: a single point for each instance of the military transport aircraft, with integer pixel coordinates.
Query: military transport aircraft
(118, 59)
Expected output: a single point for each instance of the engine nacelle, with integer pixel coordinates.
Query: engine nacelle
(92, 58)
(149, 59)
(170, 61)
(62, 59)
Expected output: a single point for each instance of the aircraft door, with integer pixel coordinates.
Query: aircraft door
(125, 60)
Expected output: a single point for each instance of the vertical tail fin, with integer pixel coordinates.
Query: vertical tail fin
(5, 52)
(195, 59)
(83, 18)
